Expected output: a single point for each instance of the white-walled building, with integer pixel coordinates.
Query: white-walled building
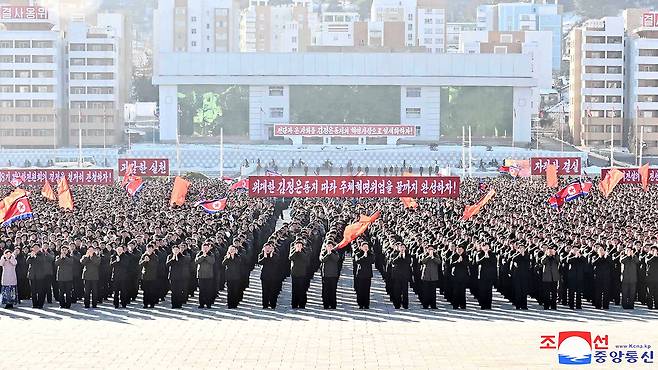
(424, 21)
(597, 82)
(31, 93)
(98, 66)
(453, 32)
(642, 82)
(336, 28)
(197, 26)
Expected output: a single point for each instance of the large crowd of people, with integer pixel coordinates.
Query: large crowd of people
(112, 246)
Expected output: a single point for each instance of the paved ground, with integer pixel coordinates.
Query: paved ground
(250, 337)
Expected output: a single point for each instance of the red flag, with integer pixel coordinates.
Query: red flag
(47, 191)
(551, 176)
(242, 184)
(19, 210)
(126, 176)
(179, 192)
(64, 194)
(354, 230)
(470, 211)
(644, 176)
(134, 185)
(611, 180)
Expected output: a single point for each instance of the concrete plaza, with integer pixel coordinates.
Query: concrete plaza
(347, 337)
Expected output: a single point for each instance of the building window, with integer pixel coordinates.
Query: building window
(23, 132)
(506, 39)
(42, 44)
(6, 44)
(23, 118)
(42, 59)
(613, 84)
(648, 52)
(22, 59)
(276, 90)
(77, 75)
(413, 92)
(6, 104)
(428, 20)
(613, 99)
(77, 61)
(614, 55)
(194, 31)
(410, 17)
(7, 73)
(6, 118)
(500, 49)
(6, 88)
(410, 27)
(42, 103)
(193, 43)
(22, 104)
(77, 47)
(76, 90)
(193, 19)
(410, 37)
(417, 130)
(412, 112)
(22, 44)
(276, 112)
(43, 118)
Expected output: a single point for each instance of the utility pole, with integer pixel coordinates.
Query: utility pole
(221, 153)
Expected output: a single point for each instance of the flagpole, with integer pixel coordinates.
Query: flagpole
(178, 152)
(463, 150)
(221, 152)
(612, 136)
(80, 137)
(104, 137)
(561, 131)
(55, 137)
(641, 144)
(470, 153)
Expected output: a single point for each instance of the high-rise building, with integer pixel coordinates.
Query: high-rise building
(280, 28)
(421, 23)
(596, 78)
(31, 95)
(98, 66)
(642, 79)
(197, 26)
(535, 16)
(453, 31)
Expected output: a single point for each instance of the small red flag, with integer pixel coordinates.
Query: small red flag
(644, 176)
(470, 211)
(47, 191)
(64, 195)
(354, 230)
(179, 192)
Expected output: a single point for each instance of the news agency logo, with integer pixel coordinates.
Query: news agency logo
(574, 348)
(580, 347)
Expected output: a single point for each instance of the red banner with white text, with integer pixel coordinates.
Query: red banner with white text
(145, 166)
(568, 166)
(353, 187)
(87, 176)
(632, 175)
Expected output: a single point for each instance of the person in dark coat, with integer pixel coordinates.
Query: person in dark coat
(430, 270)
(177, 266)
(205, 261)
(575, 265)
(149, 264)
(330, 271)
(21, 273)
(36, 273)
(601, 272)
(51, 287)
(550, 276)
(520, 270)
(90, 275)
(629, 271)
(459, 277)
(486, 275)
(120, 275)
(400, 276)
(364, 259)
(65, 265)
(269, 275)
(298, 265)
(652, 278)
(233, 264)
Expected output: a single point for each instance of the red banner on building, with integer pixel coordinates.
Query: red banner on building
(650, 20)
(342, 130)
(23, 12)
(632, 175)
(145, 166)
(87, 176)
(353, 187)
(565, 165)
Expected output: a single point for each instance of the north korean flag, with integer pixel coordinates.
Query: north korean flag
(570, 192)
(241, 184)
(17, 181)
(272, 173)
(135, 184)
(19, 210)
(213, 206)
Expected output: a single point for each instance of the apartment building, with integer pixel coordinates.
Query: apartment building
(453, 31)
(642, 79)
(98, 63)
(339, 28)
(535, 16)
(597, 82)
(197, 26)
(280, 28)
(423, 22)
(31, 96)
